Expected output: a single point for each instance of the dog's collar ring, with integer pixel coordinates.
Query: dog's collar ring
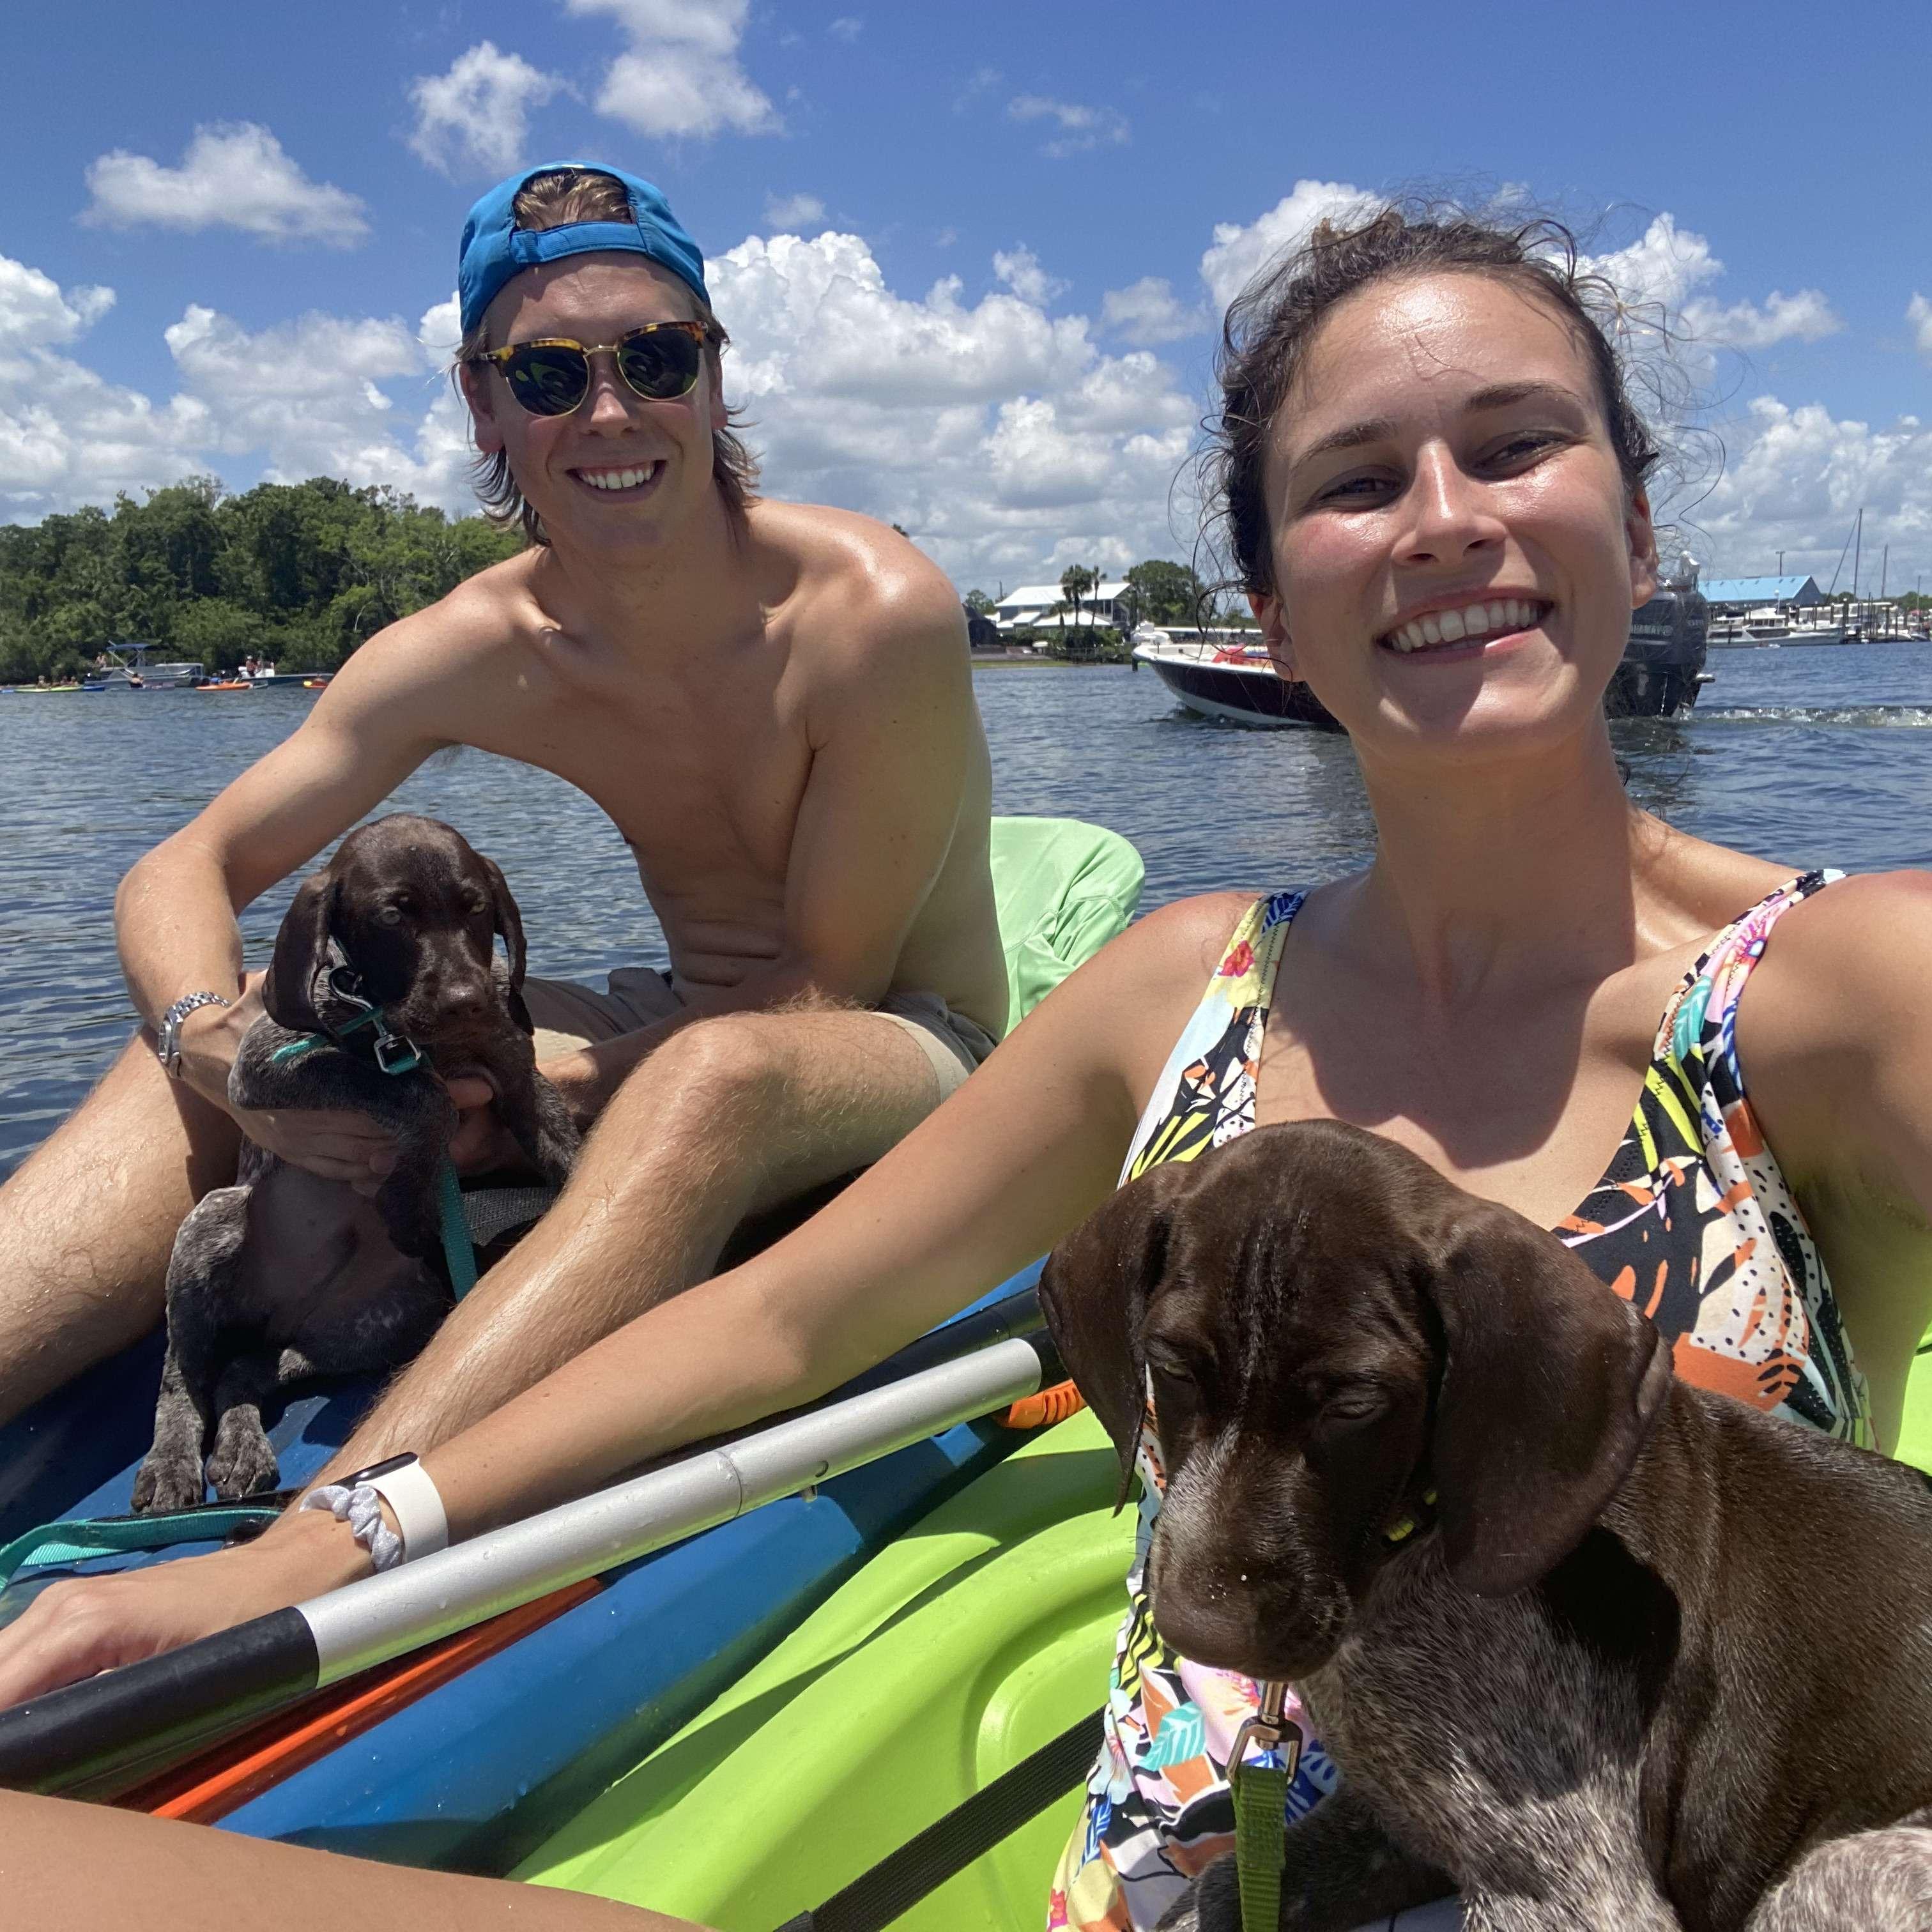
(1279, 1736)
(395, 1052)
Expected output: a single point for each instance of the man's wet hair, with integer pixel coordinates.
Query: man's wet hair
(554, 200)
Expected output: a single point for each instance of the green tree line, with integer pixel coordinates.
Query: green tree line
(297, 573)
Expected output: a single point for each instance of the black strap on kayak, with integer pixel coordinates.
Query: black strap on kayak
(893, 1886)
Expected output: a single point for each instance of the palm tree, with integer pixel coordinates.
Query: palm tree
(1078, 581)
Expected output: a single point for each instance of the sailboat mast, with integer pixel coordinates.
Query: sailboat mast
(1858, 551)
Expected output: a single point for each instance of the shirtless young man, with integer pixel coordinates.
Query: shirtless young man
(773, 704)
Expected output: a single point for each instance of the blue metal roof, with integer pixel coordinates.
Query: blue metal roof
(1758, 589)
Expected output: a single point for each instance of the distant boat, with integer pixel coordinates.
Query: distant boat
(1227, 674)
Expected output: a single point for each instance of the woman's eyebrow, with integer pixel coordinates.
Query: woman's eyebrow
(1376, 429)
(1504, 395)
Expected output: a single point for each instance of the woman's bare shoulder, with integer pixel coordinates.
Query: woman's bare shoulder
(1165, 959)
(1835, 1031)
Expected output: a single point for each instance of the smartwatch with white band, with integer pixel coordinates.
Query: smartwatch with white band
(414, 1501)
(404, 1484)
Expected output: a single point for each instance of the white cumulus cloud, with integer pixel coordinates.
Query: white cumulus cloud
(1081, 128)
(1663, 270)
(793, 211)
(1239, 252)
(67, 435)
(1001, 437)
(681, 73)
(477, 115)
(1918, 313)
(1794, 479)
(1148, 311)
(233, 175)
(1020, 269)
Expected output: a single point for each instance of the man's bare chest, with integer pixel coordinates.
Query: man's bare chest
(701, 782)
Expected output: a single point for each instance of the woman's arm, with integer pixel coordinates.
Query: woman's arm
(1834, 1034)
(1026, 1148)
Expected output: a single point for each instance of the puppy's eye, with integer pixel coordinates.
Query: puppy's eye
(477, 904)
(1171, 1364)
(394, 912)
(1355, 1405)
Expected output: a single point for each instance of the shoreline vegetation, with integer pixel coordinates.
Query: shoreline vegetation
(298, 574)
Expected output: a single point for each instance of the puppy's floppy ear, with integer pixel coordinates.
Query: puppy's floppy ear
(505, 918)
(301, 953)
(1550, 1383)
(1094, 1289)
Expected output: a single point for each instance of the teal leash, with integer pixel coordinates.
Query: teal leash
(396, 1053)
(57, 1545)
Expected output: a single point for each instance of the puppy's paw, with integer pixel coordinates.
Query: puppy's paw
(242, 1463)
(167, 1482)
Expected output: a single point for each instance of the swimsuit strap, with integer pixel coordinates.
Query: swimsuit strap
(1716, 981)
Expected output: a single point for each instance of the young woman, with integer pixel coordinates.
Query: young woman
(1710, 1074)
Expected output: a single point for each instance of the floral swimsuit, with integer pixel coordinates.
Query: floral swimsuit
(1693, 1222)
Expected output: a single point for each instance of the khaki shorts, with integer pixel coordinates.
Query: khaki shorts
(569, 1014)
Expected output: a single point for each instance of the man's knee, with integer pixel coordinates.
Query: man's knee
(708, 1078)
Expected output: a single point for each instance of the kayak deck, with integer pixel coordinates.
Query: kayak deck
(968, 1643)
(965, 1646)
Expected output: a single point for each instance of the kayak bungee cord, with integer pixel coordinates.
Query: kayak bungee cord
(98, 1736)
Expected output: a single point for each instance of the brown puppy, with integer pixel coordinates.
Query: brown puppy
(286, 1275)
(1652, 1661)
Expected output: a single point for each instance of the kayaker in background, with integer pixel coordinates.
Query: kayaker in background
(773, 704)
(1433, 485)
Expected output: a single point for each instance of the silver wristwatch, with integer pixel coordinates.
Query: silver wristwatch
(168, 1045)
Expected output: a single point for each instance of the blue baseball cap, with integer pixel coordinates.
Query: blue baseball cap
(494, 248)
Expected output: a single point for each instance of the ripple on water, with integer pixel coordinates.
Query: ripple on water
(96, 781)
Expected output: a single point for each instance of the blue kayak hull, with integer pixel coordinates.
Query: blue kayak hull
(474, 1774)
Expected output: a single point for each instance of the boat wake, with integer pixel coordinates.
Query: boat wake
(1859, 717)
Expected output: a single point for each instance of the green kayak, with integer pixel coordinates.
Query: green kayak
(965, 1645)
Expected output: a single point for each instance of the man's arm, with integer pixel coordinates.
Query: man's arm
(894, 731)
(175, 912)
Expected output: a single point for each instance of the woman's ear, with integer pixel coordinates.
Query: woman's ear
(484, 428)
(1273, 620)
(1641, 530)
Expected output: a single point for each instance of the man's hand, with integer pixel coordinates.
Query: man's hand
(481, 1144)
(335, 1144)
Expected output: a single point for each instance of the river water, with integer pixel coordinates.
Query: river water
(1820, 755)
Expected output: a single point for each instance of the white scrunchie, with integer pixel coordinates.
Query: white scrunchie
(362, 1509)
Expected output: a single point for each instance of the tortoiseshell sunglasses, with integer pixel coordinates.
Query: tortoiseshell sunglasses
(551, 376)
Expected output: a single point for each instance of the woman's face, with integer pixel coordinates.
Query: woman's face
(1456, 555)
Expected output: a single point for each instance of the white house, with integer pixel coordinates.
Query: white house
(1027, 607)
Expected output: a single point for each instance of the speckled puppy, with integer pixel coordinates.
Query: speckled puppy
(1651, 1660)
(286, 1275)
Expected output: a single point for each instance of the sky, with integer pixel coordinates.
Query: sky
(972, 259)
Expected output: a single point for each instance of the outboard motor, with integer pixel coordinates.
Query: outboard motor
(1663, 666)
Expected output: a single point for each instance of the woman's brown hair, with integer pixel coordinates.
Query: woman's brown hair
(552, 200)
(1271, 324)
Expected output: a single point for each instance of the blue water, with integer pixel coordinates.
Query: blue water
(1817, 755)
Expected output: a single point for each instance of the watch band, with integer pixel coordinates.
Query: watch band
(414, 1500)
(167, 1046)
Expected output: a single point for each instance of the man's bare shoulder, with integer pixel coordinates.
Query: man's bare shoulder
(456, 639)
(859, 592)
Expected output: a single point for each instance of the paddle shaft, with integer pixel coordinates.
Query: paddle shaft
(102, 1734)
